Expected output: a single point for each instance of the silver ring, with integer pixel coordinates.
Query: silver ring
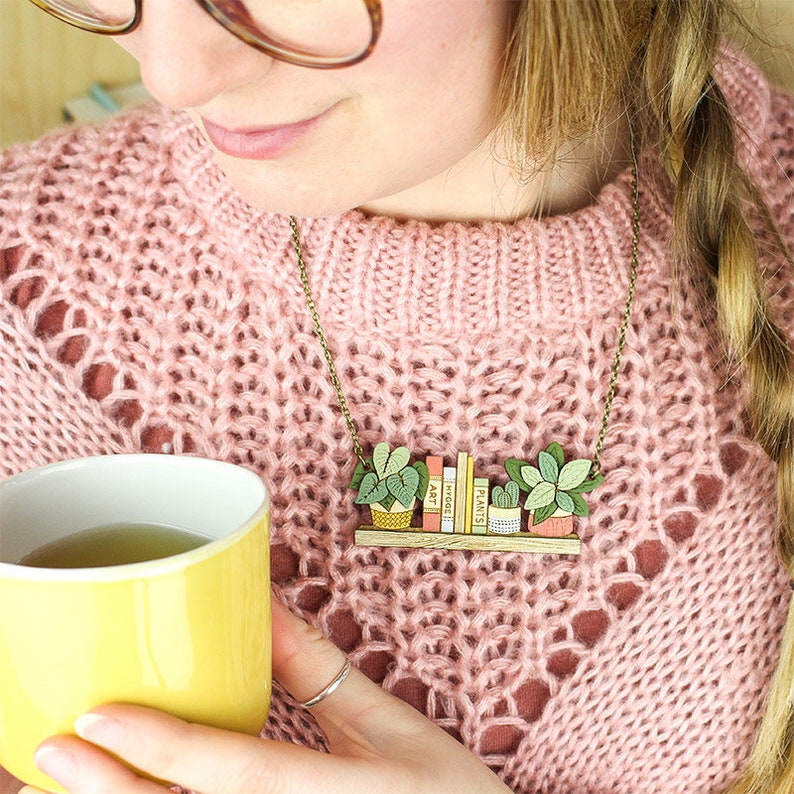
(332, 687)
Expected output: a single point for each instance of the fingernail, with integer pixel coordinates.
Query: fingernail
(60, 765)
(101, 730)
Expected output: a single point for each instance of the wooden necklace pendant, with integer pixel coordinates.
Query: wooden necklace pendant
(462, 511)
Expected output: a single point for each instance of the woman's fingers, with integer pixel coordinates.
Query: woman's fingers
(365, 723)
(373, 737)
(304, 661)
(83, 769)
(194, 756)
(358, 716)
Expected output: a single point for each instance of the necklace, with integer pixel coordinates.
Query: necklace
(460, 510)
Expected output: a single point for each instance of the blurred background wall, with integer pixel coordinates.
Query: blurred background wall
(44, 62)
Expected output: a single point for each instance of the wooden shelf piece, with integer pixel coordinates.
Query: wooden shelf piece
(522, 542)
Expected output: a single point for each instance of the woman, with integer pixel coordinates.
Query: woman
(470, 229)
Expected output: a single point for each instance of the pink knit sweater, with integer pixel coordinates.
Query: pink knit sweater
(145, 308)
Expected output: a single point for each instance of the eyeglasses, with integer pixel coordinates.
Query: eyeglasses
(323, 34)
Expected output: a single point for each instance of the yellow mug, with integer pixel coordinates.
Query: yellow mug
(188, 634)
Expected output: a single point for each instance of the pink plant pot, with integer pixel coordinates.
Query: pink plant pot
(554, 527)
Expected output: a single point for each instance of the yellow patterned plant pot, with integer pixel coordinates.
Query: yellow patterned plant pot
(398, 517)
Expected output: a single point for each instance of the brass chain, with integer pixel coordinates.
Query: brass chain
(318, 330)
(595, 469)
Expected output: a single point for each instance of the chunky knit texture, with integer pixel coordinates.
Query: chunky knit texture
(145, 308)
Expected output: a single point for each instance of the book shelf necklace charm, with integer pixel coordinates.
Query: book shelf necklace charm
(459, 509)
(462, 511)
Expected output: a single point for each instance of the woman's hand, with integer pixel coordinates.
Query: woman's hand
(378, 743)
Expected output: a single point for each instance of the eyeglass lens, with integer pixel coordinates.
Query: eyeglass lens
(321, 28)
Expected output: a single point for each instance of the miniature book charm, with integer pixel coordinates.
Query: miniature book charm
(456, 512)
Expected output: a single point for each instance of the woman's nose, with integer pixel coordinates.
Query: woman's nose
(186, 57)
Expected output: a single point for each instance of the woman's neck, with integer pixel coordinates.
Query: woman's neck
(485, 186)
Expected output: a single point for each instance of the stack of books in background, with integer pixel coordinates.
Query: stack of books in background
(101, 103)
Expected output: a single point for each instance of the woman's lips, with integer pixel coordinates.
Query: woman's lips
(263, 143)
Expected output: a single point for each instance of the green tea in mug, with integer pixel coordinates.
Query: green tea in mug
(114, 544)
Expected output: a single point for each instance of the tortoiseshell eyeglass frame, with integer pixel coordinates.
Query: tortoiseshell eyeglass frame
(271, 48)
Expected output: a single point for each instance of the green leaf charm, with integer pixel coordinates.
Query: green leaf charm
(388, 461)
(555, 450)
(403, 485)
(548, 467)
(573, 474)
(544, 513)
(358, 474)
(371, 489)
(564, 502)
(531, 476)
(513, 467)
(580, 507)
(588, 485)
(540, 496)
(424, 479)
(387, 501)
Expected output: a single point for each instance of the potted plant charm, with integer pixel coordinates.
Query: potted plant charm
(504, 514)
(390, 486)
(554, 489)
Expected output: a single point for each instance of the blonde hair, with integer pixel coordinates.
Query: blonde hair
(567, 65)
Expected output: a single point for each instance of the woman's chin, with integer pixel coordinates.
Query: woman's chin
(272, 193)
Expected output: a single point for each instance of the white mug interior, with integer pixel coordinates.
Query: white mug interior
(208, 497)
